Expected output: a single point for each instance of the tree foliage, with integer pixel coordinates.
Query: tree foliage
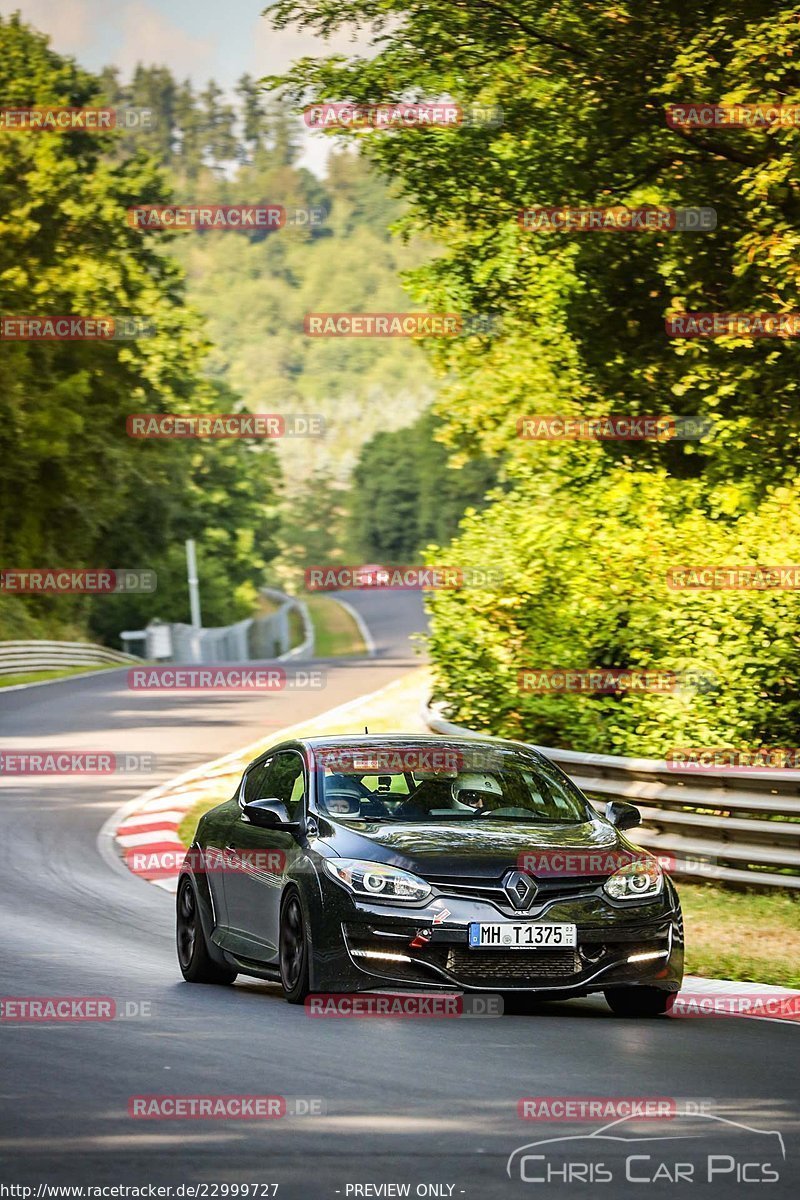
(584, 89)
(405, 493)
(74, 489)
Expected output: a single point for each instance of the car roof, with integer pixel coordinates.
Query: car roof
(406, 739)
(384, 740)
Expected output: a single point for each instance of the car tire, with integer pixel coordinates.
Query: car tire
(637, 1001)
(293, 949)
(194, 960)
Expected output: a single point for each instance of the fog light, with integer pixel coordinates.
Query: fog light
(380, 954)
(649, 954)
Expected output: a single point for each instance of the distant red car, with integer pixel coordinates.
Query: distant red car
(365, 576)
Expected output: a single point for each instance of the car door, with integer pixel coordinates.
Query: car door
(258, 858)
(213, 841)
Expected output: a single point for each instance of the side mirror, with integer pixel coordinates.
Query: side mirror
(268, 813)
(622, 815)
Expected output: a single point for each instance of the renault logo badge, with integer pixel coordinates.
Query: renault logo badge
(520, 889)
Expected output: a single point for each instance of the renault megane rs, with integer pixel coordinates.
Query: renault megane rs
(349, 864)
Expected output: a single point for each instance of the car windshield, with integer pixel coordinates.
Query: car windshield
(450, 783)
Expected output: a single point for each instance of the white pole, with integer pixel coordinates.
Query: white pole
(194, 591)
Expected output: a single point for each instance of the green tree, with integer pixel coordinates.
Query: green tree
(189, 151)
(583, 89)
(282, 133)
(154, 88)
(312, 529)
(576, 581)
(74, 488)
(252, 117)
(219, 142)
(405, 494)
(254, 292)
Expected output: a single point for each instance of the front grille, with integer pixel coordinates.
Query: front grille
(494, 892)
(472, 891)
(498, 967)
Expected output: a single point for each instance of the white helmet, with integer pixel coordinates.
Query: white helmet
(468, 789)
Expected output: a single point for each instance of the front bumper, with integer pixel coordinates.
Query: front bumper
(378, 946)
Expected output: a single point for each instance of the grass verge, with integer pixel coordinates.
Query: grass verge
(44, 676)
(742, 935)
(336, 634)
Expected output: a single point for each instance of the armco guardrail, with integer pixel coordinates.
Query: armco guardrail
(17, 658)
(268, 636)
(305, 648)
(739, 827)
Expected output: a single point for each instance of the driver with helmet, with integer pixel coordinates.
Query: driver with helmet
(342, 796)
(474, 792)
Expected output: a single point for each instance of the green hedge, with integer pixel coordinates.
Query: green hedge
(584, 585)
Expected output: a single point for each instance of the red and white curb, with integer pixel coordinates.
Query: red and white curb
(149, 840)
(143, 835)
(725, 997)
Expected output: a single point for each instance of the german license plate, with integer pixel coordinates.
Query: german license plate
(517, 935)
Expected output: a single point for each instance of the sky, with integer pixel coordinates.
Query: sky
(201, 39)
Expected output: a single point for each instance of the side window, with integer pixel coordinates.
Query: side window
(284, 780)
(254, 782)
(298, 791)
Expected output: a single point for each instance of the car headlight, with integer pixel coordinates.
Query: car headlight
(377, 881)
(638, 880)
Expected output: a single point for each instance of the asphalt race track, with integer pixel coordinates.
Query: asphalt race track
(424, 1102)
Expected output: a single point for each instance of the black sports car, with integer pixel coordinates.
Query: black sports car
(348, 864)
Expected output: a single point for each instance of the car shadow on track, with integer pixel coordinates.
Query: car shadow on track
(514, 1006)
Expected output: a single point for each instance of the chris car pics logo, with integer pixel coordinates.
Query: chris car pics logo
(694, 1148)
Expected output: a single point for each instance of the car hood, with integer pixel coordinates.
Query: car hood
(483, 851)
